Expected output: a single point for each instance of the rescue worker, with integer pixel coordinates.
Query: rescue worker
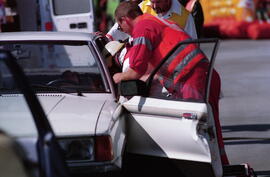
(153, 39)
(167, 9)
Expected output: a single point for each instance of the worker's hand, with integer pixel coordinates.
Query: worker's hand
(117, 78)
(98, 33)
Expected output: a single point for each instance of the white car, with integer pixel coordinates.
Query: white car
(94, 124)
(84, 113)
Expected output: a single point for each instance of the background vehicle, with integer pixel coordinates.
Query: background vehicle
(74, 16)
(85, 116)
(51, 15)
(39, 138)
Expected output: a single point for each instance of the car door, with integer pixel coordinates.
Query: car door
(178, 129)
(73, 16)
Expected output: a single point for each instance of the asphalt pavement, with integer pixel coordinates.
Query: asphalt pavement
(244, 66)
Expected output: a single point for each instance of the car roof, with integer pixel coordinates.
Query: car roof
(46, 36)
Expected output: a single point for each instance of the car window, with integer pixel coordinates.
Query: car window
(173, 81)
(71, 7)
(57, 68)
(21, 123)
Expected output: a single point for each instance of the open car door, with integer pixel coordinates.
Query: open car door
(179, 129)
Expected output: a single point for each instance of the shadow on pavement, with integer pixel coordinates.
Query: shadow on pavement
(243, 142)
(263, 173)
(137, 166)
(248, 127)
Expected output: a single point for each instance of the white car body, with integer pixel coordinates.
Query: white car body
(166, 133)
(154, 126)
(71, 116)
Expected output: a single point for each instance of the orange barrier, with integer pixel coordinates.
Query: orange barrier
(233, 19)
(239, 10)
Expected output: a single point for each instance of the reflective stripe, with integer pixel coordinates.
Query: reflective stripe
(143, 41)
(169, 82)
(164, 69)
(185, 62)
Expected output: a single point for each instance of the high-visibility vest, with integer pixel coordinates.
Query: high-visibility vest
(180, 20)
(182, 61)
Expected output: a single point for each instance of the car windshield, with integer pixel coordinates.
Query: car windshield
(56, 68)
(20, 123)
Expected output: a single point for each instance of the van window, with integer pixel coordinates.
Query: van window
(71, 7)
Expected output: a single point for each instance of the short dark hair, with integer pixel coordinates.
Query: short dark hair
(127, 9)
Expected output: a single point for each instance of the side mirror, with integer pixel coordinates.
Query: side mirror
(132, 88)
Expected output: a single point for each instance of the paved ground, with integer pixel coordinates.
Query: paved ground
(244, 66)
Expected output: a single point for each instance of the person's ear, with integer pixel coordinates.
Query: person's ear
(127, 20)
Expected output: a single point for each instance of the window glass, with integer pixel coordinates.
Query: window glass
(66, 7)
(53, 68)
(179, 78)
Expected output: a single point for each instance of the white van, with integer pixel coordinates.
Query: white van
(73, 15)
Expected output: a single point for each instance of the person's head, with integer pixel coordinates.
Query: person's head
(70, 76)
(161, 6)
(125, 14)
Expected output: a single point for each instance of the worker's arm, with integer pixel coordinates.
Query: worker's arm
(130, 74)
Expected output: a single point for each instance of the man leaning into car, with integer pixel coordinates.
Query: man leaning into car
(153, 39)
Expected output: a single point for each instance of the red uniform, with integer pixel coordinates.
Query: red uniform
(184, 74)
(153, 39)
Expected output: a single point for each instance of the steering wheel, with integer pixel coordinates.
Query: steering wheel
(60, 82)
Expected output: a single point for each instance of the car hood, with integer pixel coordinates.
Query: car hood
(72, 115)
(67, 114)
